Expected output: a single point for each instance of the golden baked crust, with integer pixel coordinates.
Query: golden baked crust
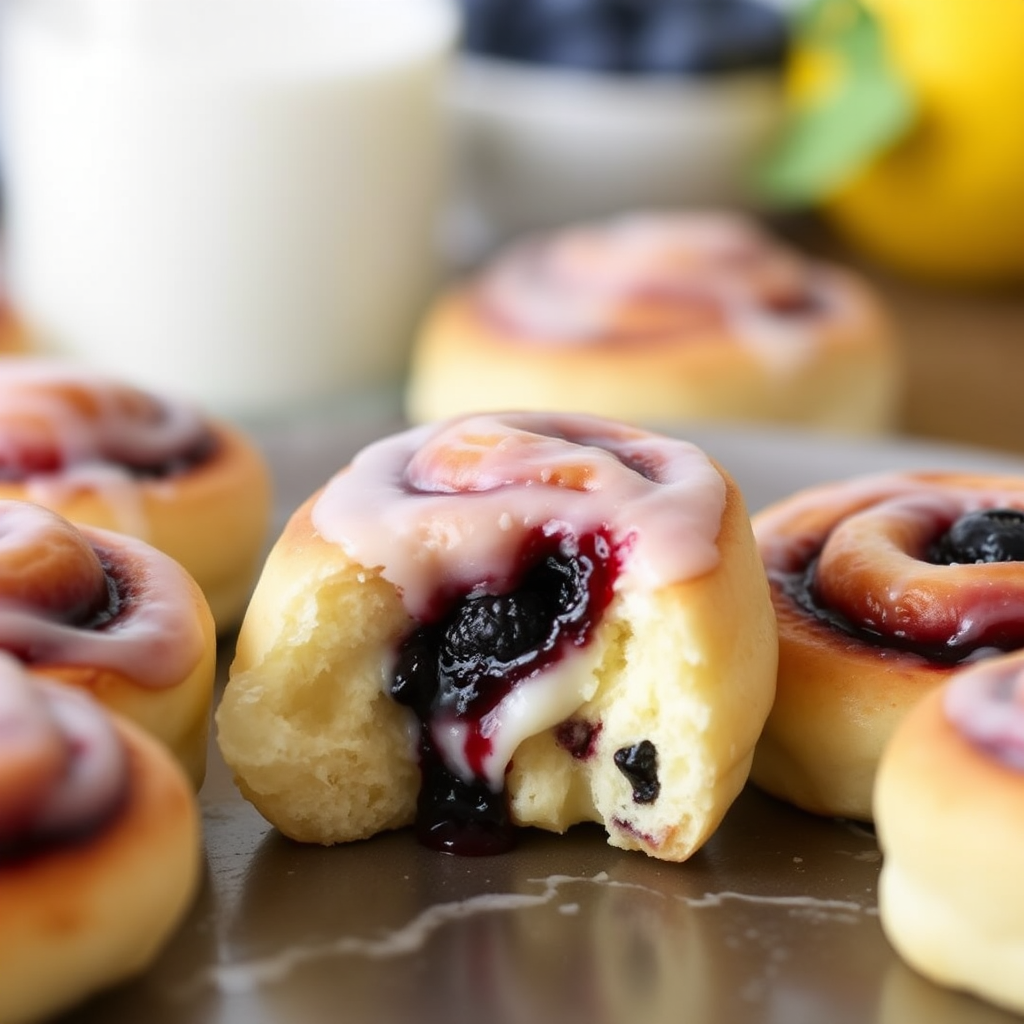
(211, 514)
(79, 917)
(154, 662)
(212, 519)
(841, 695)
(837, 368)
(948, 818)
(323, 752)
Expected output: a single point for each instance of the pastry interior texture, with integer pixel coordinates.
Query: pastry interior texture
(883, 587)
(106, 454)
(949, 813)
(99, 846)
(114, 616)
(658, 318)
(502, 621)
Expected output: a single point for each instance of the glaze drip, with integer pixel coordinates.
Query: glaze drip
(646, 278)
(58, 419)
(81, 596)
(985, 703)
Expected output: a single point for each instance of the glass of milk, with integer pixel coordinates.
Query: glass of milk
(233, 200)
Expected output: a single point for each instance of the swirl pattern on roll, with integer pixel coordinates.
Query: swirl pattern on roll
(985, 702)
(650, 278)
(63, 428)
(454, 501)
(55, 415)
(884, 587)
(71, 596)
(63, 768)
(868, 563)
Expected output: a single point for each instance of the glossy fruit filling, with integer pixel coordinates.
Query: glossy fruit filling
(100, 611)
(23, 843)
(23, 462)
(478, 647)
(988, 536)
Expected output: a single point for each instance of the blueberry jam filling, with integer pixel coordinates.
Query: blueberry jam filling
(37, 462)
(994, 535)
(96, 615)
(202, 450)
(479, 646)
(578, 737)
(639, 763)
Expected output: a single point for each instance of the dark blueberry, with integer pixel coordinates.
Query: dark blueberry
(702, 36)
(639, 763)
(497, 629)
(495, 637)
(460, 817)
(414, 679)
(569, 580)
(995, 535)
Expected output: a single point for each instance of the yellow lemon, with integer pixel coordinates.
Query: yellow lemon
(946, 202)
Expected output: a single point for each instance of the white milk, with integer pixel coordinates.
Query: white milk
(235, 200)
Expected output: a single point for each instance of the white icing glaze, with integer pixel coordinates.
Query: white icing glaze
(536, 703)
(156, 640)
(451, 503)
(92, 769)
(871, 532)
(98, 428)
(985, 702)
(696, 274)
(97, 764)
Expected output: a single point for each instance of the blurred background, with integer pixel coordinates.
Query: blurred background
(877, 133)
(885, 134)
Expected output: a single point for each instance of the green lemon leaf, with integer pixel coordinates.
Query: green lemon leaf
(857, 112)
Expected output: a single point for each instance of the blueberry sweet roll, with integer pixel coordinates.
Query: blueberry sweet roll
(507, 620)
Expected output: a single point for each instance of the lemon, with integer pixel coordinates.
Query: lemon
(946, 201)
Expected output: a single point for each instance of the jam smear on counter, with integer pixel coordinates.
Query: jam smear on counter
(988, 536)
(477, 648)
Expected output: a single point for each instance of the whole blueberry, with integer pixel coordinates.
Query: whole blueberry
(993, 535)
